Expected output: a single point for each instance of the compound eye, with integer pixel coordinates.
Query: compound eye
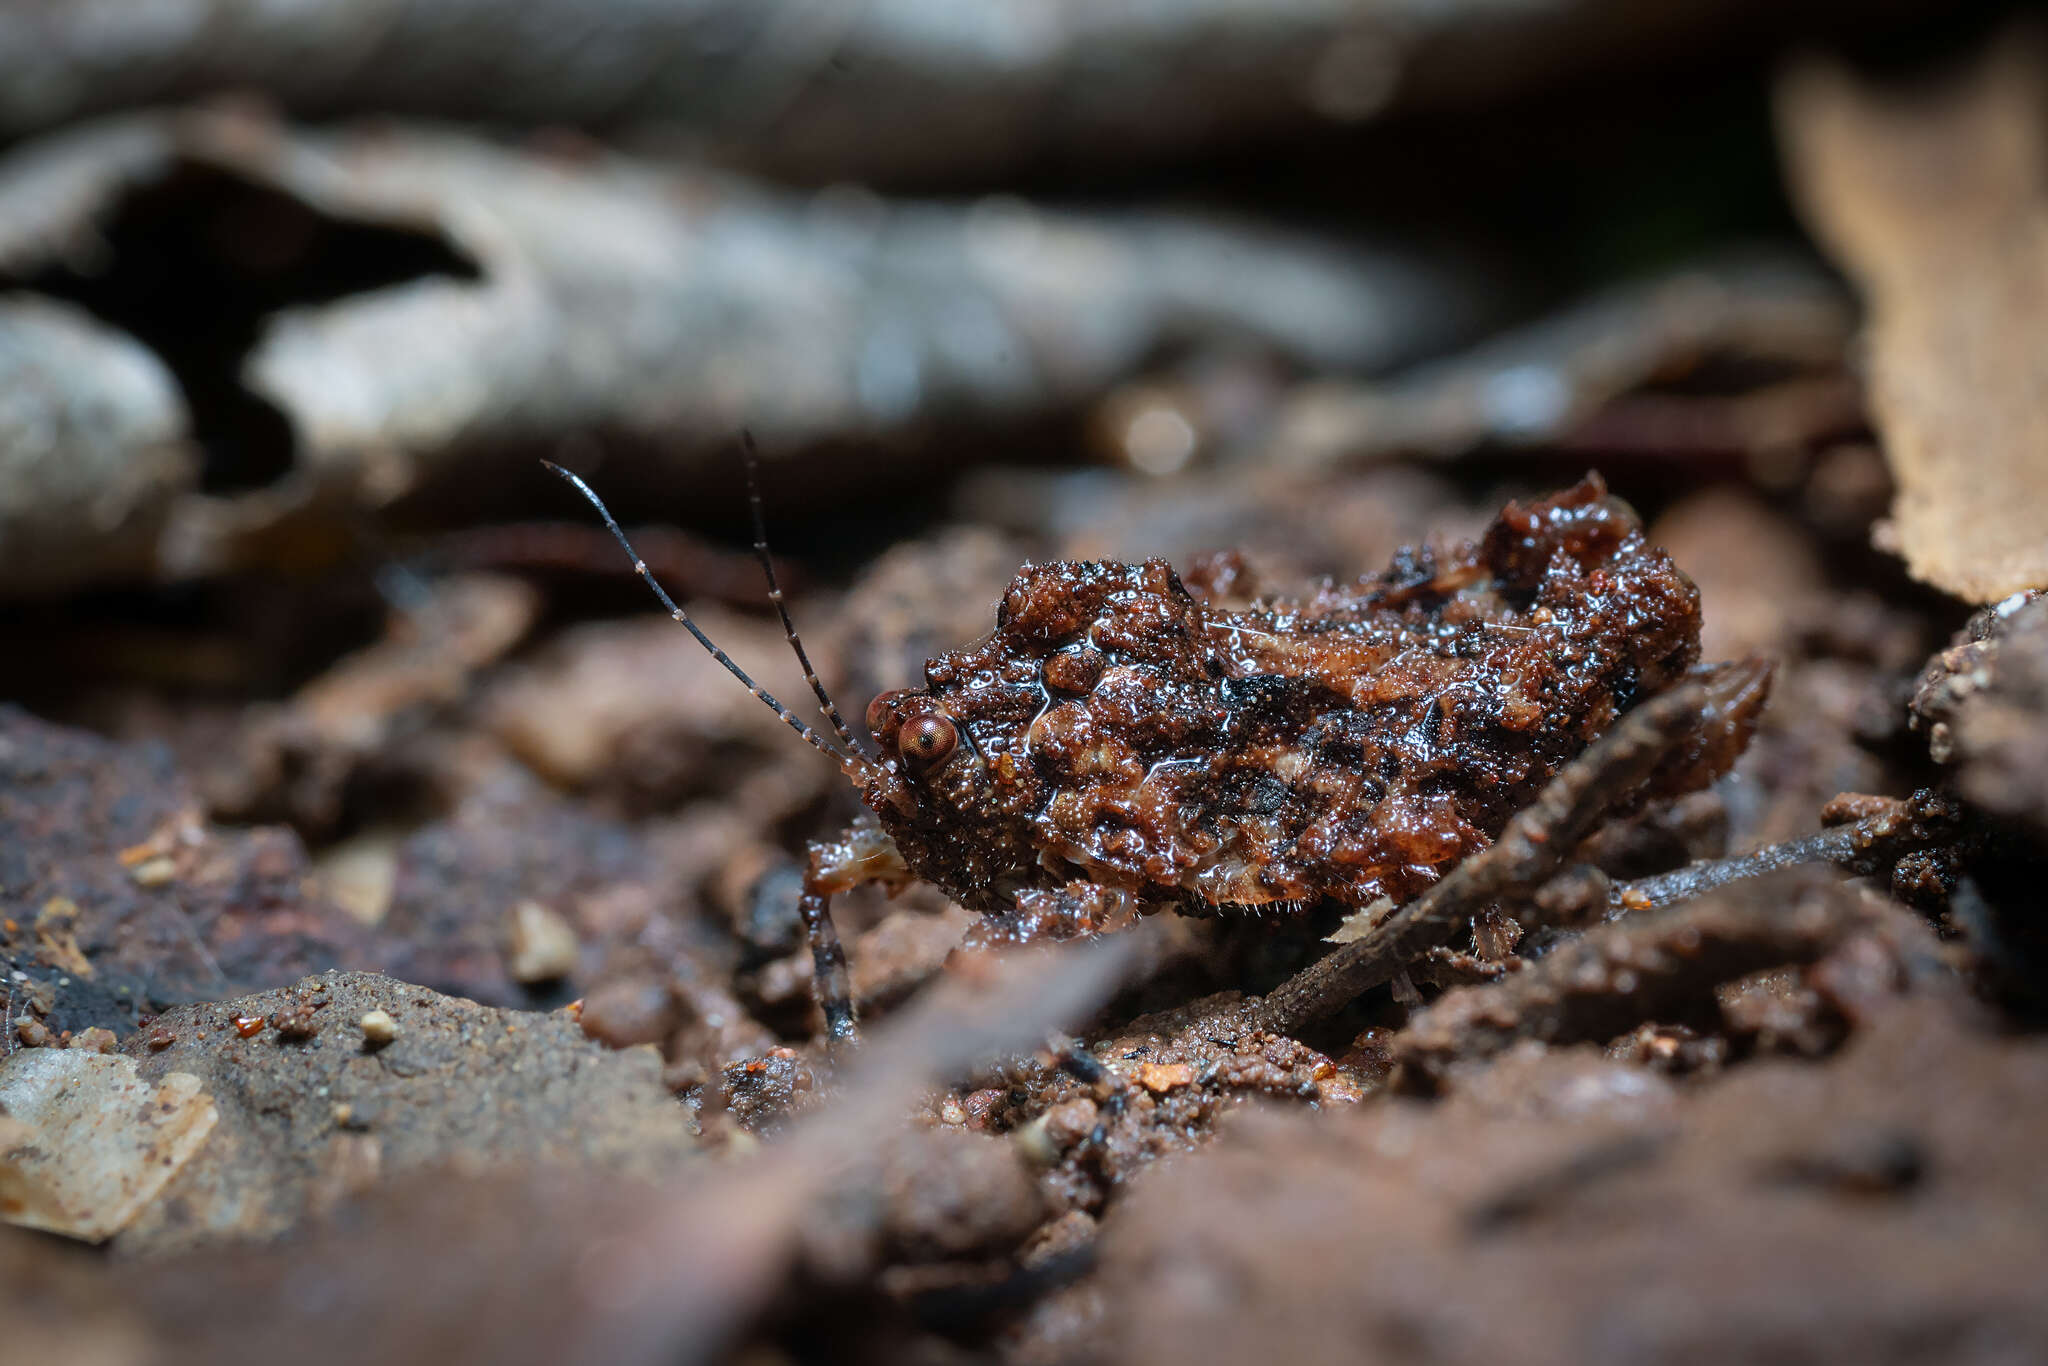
(927, 740)
(879, 709)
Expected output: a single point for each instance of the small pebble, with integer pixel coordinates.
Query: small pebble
(540, 946)
(161, 1038)
(1160, 1077)
(1035, 1145)
(1335, 1088)
(1067, 1123)
(95, 1040)
(33, 1033)
(296, 1021)
(156, 872)
(980, 1105)
(630, 1010)
(378, 1028)
(248, 1026)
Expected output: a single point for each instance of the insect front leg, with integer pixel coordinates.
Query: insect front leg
(831, 984)
(865, 853)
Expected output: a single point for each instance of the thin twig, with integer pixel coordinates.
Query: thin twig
(1683, 884)
(1871, 845)
(1534, 844)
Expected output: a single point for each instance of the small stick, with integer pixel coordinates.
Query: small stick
(1532, 847)
(1695, 879)
(1868, 846)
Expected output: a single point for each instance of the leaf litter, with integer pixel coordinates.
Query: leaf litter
(1689, 1076)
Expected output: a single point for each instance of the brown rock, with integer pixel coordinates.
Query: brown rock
(109, 946)
(459, 1082)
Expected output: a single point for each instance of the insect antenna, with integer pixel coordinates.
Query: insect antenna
(851, 762)
(825, 704)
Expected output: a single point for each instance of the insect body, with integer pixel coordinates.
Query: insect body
(1124, 742)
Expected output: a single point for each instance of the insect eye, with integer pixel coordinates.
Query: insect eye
(927, 740)
(880, 709)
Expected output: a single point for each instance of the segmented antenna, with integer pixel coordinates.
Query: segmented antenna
(789, 718)
(825, 703)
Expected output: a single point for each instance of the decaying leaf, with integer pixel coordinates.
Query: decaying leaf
(1936, 201)
(85, 1143)
(1563, 1208)
(1982, 705)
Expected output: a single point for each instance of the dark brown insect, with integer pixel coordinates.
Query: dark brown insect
(1125, 741)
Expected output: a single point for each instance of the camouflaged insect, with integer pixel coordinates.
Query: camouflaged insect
(1126, 741)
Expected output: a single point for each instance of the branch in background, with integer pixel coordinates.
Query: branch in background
(830, 90)
(1541, 383)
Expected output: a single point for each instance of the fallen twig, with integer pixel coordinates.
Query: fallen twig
(1871, 845)
(1663, 967)
(1543, 382)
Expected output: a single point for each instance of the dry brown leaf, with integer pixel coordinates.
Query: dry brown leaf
(1936, 202)
(87, 1143)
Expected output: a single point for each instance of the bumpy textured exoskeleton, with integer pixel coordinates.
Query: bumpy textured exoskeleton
(1125, 741)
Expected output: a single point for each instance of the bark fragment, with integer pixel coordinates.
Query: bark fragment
(495, 301)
